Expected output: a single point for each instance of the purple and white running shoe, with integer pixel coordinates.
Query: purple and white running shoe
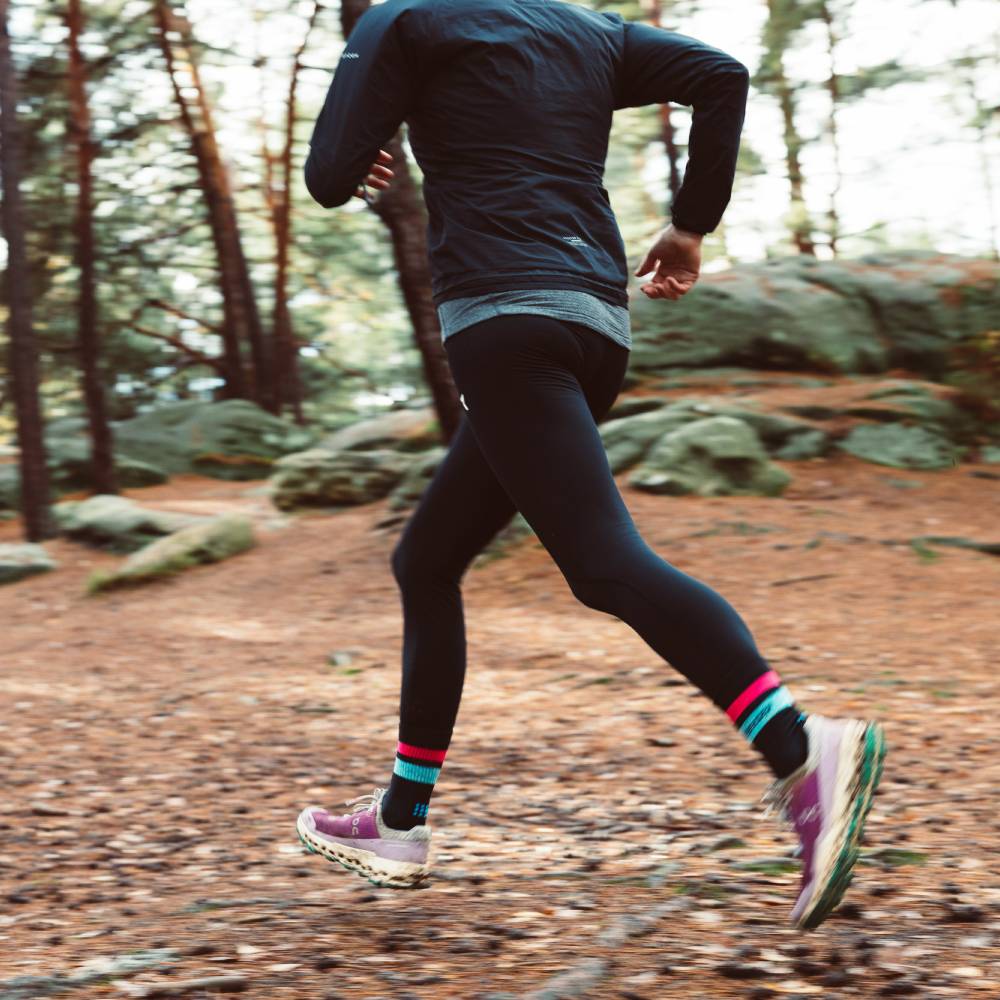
(827, 801)
(362, 842)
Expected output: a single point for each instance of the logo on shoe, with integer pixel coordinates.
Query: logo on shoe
(461, 399)
(808, 815)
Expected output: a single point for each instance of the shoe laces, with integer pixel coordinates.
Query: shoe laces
(777, 797)
(363, 803)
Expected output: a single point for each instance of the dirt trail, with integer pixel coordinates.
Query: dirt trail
(596, 820)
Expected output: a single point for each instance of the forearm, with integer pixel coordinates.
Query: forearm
(713, 148)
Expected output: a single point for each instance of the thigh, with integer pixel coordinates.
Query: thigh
(462, 508)
(521, 377)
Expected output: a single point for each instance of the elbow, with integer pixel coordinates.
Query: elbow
(742, 74)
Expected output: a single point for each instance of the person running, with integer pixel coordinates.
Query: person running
(509, 105)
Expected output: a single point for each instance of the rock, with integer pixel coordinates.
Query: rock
(232, 439)
(627, 439)
(809, 444)
(718, 456)
(210, 542)
(778, 434)
(71, 467)
(901, 446)
(18, 561)
(416, 478)
(319, 477)
(766, 315)
(117, 523)
(901, 309)
(404, 430)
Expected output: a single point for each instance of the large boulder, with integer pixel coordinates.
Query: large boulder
(323, 478)
(216, 539)
(628, 439)
(21, 560)
(879, 311)
(716, 456)
(901, 446)
(117, 523)
(405, 429)
(232, 439)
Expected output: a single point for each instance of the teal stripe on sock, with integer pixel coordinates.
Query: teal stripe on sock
(774, 702)
(416, 772)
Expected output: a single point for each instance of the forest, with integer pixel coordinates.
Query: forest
(220, 403)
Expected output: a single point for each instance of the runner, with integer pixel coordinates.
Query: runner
(509, 105)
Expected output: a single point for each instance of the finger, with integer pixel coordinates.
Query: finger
(377, 182)
(646, 266)
(384, 156)
(382, 171)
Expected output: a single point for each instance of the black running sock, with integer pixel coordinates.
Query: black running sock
(768, 717)
(783, 741)
(414, 772)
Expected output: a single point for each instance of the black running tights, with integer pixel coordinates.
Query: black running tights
(534, 387)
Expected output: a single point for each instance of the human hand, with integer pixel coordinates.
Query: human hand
(676, 257)
(378, 176)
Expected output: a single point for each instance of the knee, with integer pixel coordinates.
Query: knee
(598, 592)
(403, 564)
(416, 569)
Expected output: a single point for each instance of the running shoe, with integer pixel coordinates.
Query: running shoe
(362, 842)
(827, 802)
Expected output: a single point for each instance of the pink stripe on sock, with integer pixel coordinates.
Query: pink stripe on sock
(763, 683)
(421, 753)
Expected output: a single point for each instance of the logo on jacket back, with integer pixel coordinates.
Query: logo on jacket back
(350, 55)
(576, 241)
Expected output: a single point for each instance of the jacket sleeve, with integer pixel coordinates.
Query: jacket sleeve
(372, 91)
(660, 66)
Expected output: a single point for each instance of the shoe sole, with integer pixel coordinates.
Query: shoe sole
(867, 776)
(379, 871)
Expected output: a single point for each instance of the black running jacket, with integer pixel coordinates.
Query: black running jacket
(508, 105)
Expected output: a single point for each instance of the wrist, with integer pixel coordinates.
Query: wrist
(688, 233)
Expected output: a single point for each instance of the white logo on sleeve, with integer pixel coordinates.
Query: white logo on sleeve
(350, 55)
(576, 241)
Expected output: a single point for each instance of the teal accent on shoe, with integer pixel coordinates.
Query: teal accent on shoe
(775, 700)
(416, 772)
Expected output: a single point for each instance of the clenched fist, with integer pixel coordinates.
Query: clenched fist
(378, 176)
(676, 258)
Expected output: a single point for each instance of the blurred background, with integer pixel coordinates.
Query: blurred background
(219, 402)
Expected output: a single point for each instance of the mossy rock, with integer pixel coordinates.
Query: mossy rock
(213, 541)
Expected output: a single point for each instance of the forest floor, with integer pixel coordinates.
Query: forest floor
(598, 831)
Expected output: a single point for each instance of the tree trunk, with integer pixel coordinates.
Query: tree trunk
(780, 28)
(288, 384)
(37, 517)
(401, 208)
(241, 317)
(833, 87)
(88, 340)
